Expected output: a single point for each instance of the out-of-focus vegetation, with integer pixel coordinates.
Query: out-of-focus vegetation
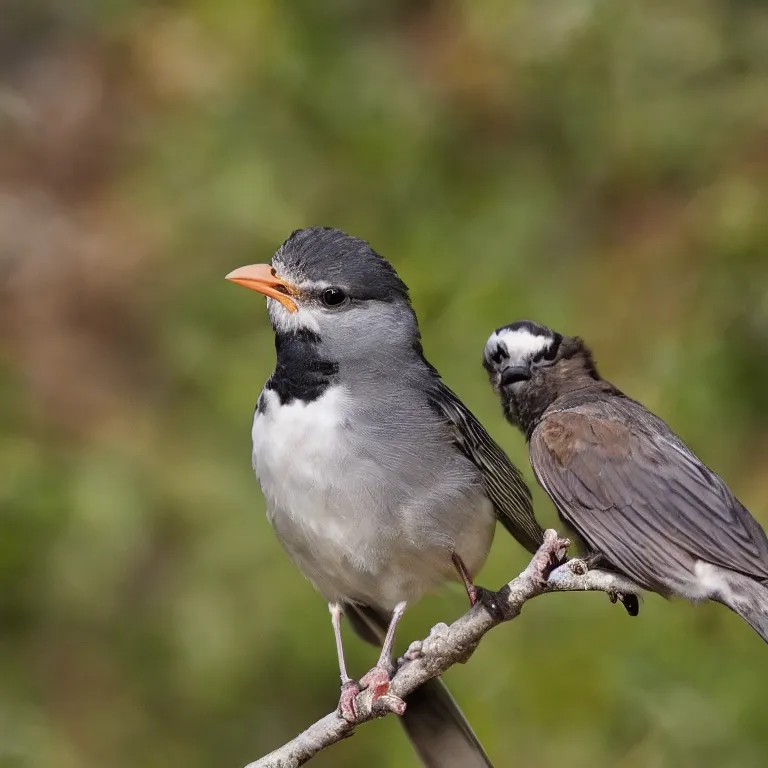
(600, 166)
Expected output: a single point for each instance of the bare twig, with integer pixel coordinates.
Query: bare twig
(454, 644)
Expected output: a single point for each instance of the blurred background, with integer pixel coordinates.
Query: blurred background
(598, 166)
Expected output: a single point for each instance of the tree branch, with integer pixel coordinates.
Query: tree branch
(454, 644)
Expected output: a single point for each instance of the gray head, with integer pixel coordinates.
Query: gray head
(331, 287)
(530, 366)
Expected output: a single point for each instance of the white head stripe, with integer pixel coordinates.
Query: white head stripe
(521, 345)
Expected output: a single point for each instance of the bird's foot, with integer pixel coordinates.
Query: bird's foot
(578, 566)
(496, 603)
(377, 681)
(493, 602)
(581, 566)
(549, 556)
(630, 602)
(346, 709)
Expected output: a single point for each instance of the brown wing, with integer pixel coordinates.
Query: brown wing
(638, 495)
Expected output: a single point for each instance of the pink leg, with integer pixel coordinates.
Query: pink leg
(385, 658)
(377, 679)
(349, 688)
(466, 578)
(336, 614)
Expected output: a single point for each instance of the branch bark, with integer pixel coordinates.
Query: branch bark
(454, 644)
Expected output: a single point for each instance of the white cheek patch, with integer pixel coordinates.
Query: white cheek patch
(520, 345)
(285, 321)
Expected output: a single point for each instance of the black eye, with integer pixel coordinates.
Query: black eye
(548, 354)
(332, 297)
(551, 353)
(498, 355)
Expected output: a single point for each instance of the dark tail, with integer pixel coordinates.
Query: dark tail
(749, 598)
(439, 731)
(436, 726)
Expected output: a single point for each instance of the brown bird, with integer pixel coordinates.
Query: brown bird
(638, 499)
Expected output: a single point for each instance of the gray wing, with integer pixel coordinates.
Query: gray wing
(638, 496)
(504, 484)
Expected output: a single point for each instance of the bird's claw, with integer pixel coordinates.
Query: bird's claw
(496, 603)
(349, 691)
(377, 680)
(391, 703)
(630, 601)
(550, 555)
(578, 566)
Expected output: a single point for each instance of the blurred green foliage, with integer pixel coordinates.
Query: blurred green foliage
(599, 166)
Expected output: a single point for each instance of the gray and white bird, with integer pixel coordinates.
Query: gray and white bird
(379, 483)
(637, 497)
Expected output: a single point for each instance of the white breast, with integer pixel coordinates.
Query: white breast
(328, 502)
(298, 450)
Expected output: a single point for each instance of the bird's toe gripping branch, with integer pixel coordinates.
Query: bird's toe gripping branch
(550, 555)
(578, 566)
(630, 601)
(444, 647)
(346, 708)
(496, 603)
(377, 682)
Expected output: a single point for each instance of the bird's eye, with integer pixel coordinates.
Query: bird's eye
(551, 351)
(545, 355)
(332, 297)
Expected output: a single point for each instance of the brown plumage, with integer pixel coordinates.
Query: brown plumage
(636, 496)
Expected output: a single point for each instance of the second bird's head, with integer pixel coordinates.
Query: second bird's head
(530, 366)
(325, 284)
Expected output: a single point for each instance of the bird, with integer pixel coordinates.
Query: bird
(635, 496)
(379, 482)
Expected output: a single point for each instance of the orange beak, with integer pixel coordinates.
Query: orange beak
(262, 278)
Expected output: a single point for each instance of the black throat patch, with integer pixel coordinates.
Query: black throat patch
(300, 373)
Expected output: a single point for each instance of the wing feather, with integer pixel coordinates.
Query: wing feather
(638, 495)
(504, 484)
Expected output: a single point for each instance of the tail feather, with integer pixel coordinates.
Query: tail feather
(439, 731)
(435, 725)
(749, 598)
